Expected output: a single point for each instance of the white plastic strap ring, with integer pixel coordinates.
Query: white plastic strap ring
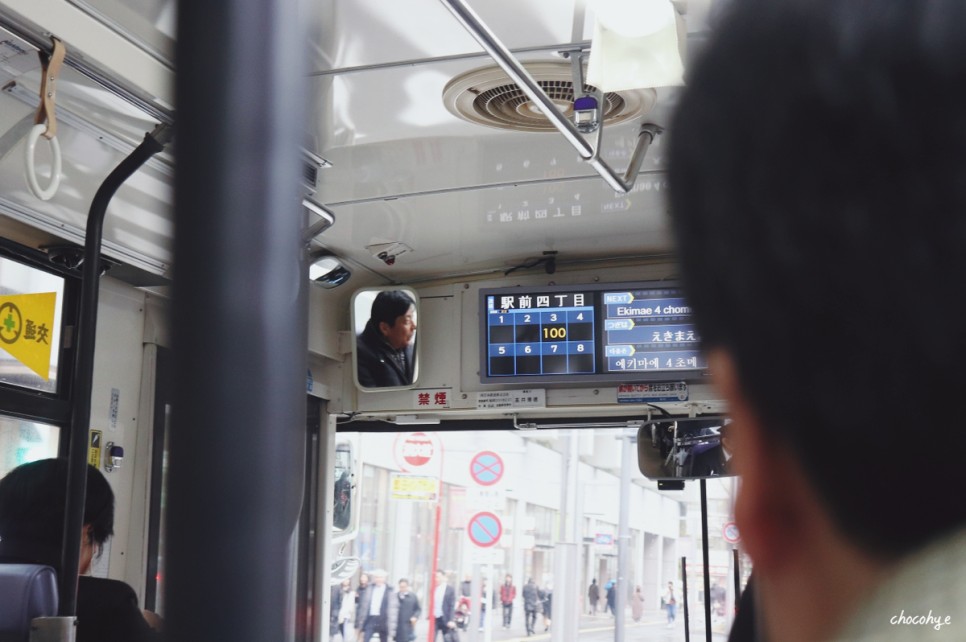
(44, 194)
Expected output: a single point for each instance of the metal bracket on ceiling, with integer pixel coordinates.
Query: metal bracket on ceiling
(326, 219)
(523, 426)
(633, 423)
(515, 70)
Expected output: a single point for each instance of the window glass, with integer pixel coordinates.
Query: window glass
(31, 303)
(506, 507)
(23, 441)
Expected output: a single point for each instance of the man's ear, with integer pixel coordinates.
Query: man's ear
(383, 328)
(766, 510)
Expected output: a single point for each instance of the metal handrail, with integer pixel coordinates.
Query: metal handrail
(516, 71)
(126, 92)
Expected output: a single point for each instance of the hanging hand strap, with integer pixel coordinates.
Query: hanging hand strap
(46, 112)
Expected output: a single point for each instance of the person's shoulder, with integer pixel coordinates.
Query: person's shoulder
(102, 588)
(107, 611)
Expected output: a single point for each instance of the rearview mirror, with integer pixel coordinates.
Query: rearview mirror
(385, 355)
(690, 448)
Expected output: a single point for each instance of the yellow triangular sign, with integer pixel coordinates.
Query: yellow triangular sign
(26, 329)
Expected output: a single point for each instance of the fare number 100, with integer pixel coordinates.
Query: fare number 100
(554, 333)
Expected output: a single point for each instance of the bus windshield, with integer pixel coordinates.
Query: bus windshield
(542, 528)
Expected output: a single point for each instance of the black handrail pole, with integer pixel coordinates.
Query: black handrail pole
(704, 551)
(737, 564)
(84, 365)
(684, 597)
(239, 319)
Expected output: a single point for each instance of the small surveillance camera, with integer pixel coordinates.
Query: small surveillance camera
(387, 258)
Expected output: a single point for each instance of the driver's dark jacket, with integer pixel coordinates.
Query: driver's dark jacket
(379, 365)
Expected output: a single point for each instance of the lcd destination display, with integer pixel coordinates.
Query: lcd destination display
(618, 332)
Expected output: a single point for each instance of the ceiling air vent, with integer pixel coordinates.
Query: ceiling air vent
(310, 174)
(488, 97)
(311, 164)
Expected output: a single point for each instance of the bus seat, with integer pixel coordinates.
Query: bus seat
(26, 591)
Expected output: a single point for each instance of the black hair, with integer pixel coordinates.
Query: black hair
(32, 501)
(818, 197)
(390, 305)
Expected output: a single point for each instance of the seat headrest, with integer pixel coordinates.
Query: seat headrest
(26, 591)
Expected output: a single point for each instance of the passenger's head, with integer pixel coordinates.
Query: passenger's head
(32, 501)
(379, 577)
(393, 315)
(440, 577)
(508, 579)
(404, 586)
(818, 172)
(363, 580)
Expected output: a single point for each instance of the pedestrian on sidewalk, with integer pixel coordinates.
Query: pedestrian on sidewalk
(547, 601)
(671, 604)
(637, 604)
(593, 596)
(611, 589)
(531, 603)
(508, 593)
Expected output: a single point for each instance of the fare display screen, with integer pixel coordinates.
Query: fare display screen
(536, 334)
(618, 332)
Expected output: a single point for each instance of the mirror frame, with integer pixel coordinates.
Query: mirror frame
(361, 306)
(646, 444)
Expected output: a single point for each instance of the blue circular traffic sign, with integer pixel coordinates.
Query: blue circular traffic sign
(486, 468)
(485, 529)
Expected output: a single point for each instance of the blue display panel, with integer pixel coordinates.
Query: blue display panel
(540, 334)
(618, 332)
(649, 330)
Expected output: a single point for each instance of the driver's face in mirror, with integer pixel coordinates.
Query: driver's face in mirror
(691, 448)
(400, 333)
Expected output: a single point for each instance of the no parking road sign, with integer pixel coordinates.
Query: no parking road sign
(486, 468)
(730, 533)
(484, 529)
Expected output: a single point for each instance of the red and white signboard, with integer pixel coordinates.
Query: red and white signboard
(418, 452)
(730, 533)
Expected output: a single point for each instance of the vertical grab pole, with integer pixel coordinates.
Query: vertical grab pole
(239, 319)
(84, 365)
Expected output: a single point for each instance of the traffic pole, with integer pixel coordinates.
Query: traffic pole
(432, 580)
